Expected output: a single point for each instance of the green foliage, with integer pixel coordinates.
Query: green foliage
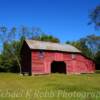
(81, 45)
(8, 56)
(89, 45)
(97, 59)
(93, 43)
(47, 38)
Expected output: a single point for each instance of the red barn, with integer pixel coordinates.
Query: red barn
(39, 57)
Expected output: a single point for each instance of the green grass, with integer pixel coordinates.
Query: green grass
(49, 87)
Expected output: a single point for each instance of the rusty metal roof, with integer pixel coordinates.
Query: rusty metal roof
(41, 45)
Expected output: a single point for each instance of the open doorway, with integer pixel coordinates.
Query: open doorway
(58, 67)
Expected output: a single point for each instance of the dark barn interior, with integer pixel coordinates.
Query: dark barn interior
(58, 67)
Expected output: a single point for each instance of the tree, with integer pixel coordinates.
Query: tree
(95, 17)
(97, 60)
(81, 45)
(12, 41)
(1, 67)
(89, 45)
(95, 41)
(10, 57)
(47, 38)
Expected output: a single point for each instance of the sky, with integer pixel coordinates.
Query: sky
(64, 19)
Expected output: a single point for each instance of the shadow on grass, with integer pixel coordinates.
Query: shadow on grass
(97, 72)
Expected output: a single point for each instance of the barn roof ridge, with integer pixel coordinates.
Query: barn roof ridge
(42, 45)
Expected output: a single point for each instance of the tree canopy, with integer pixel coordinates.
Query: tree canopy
(95, 17)
(47, 38)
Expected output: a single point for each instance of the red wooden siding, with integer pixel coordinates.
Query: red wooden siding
(78, 64)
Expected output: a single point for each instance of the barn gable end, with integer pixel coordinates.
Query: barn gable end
(25, 58)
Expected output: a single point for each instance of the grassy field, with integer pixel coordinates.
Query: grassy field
(49, 87)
